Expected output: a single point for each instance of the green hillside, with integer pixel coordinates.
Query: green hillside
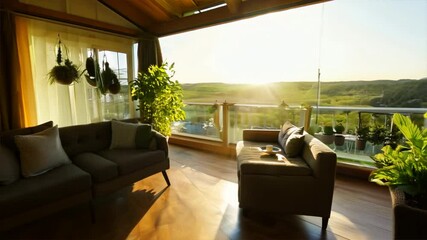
(385, 93)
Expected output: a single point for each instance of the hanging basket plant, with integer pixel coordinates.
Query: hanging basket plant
(105, 81)
(91, 68)
(65, 72)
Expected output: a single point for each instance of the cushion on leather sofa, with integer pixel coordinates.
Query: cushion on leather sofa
(28, 193)
(248, 157)
(40, 152)
(100, 168)
(85, 138)
(130, 160)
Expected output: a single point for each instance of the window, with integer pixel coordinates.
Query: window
(80, 102)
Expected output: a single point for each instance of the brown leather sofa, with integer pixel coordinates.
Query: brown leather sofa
(95, 170)
(301, 185)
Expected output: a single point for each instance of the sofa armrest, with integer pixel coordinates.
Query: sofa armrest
(162, 143)
(260, 135)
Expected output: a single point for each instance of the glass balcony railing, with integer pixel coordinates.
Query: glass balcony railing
(224, 122)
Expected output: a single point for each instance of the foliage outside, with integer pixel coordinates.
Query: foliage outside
(160, 98)
(405, 166)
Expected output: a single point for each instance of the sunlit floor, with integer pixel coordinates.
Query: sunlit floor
(202, 203)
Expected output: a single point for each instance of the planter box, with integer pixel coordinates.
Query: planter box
(409, 222)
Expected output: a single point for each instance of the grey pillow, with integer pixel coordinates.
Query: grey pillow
(285, 127)
(288, 133)
(123, 134)
(9, 166)
(294, 145)
(40, 152)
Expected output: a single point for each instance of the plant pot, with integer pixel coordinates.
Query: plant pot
(409, 222)
(326, 139)
(360, 144)
(339, 140)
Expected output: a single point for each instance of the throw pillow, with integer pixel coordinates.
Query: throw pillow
(143, 136)
(123, 134)
(285, 127)
(40, 152)
(9, 166)
(294, 145)
(288, 133)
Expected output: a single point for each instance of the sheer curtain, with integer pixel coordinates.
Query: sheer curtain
(78, 103)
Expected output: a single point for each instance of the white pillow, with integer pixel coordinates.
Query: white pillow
(40, 152)
(123, 134)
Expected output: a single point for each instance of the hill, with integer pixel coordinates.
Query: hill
(384, 93)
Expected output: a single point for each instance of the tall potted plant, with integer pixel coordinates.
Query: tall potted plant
(159, 97)
(404, 170)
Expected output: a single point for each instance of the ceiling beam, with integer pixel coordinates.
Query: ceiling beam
(246, 9)
(233, 5)
(44, 13)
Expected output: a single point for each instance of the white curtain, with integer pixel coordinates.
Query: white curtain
(78, 103)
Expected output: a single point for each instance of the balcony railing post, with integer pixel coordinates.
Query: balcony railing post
(226, 122)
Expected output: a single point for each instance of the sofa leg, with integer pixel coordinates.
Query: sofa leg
(325, 221)
(165, 175)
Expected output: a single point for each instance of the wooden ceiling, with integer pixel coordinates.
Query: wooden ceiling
(165, 17)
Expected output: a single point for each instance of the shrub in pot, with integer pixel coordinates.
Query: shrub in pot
(328, 135)
(339, 138)
(362, 136)
(404, 170)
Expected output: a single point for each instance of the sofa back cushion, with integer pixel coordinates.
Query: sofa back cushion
(91, 137)
(9, 166)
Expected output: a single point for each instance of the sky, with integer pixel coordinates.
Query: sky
(347, 39)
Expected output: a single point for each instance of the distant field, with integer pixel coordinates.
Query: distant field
(401, 93)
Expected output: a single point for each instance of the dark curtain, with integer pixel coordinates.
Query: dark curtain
(149, 53)
(9, 68)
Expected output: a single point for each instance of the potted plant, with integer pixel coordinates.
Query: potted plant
(377, 136)
(404, 170)
(328, 135)
(339, 138)
(362, 136)
(160, 98)
(65, 72)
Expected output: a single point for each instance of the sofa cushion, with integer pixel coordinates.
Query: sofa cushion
(91, 137)
(9, 166)
(28, 193)
(100, 169)
(7, 138)
(40, 152)
(250, 162)
(144, 137)
(123, 134)
(130, 160)
(299, 130)
(294, 145)
(287, 125)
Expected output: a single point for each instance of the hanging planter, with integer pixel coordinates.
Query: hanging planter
(65, 72)
(91, 66)
(110, 82)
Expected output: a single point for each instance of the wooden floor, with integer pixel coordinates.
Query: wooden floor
(202, 203)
